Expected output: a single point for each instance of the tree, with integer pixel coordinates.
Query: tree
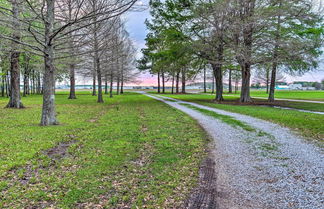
(44, 24)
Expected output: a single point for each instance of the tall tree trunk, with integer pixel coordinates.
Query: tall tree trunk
(106, 84)
(100, 97)
(217, 69)
(159, 86)
(122, 80)
(218, 73)
(236, 85)
(94, 78)
(163, 83)
(3, 85)
(275, 58)
(7, 85)
(245, 88)
(172, 88)
(267, 80)
(245, 63)
(177, 82)
(39, 85)
(183, 80)
(230, 81)
(48, 111)
(111, 84)
(72, 64)
(122, 85)
(118, 85)
(72, 82)
(14, 101)
(97, 60)
(213, 84)
(205, 87)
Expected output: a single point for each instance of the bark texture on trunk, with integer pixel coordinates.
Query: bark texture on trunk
(72, 82)
(94, 85)
(245, 89)
(205, 87)
(275, 59)
(15, 97)
(172, 88)
(122, 80)
(106, 84)
(159, 86)
(230, 90)
(111, 85)
(48, 112)
(163, 82)
(183, 80)
(217, 70)
(118, 85)
(177, 82)
(267, 80)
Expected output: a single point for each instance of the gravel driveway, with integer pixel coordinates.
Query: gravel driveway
(267, 168)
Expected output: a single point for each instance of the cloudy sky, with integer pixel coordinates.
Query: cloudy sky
(138, 31)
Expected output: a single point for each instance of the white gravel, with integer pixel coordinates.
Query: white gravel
(252, 175)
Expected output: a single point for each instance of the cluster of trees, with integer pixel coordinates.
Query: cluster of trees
(45, 40)
(234, 37)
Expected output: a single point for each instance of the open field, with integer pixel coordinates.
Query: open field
(308, 124)
(131, 151)
(285, 94)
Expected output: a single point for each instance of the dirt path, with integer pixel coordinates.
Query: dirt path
(269, 167)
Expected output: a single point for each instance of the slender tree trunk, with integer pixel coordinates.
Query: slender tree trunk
(230, 81)
(213, 84)
(172, 89)
(106, 84)
(72, 82)
(236, 85)
(267, 80)
(183, 79)
(97, 60)
(94, 78)
(7, 85)
(122, 80)
(275, 59)
(205, 87)
(159, 86)
(3, 85)
(177, 82)
(163, 82)
(118, 85)
(26, 81)
(14, 101)
(100, 97)
(39, 87)
(111, 84)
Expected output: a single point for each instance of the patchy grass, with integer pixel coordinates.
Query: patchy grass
(225, 118)
(131, 151)
(308, 124)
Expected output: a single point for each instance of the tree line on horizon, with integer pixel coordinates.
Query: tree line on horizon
(232, 38)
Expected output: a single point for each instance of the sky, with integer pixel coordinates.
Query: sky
(137, 29)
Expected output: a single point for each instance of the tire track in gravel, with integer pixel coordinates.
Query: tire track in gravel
(248, 174)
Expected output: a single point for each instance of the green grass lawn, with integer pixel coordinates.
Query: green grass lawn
(281, 94)
(131, 151)
(307, 124)
(284, 94)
